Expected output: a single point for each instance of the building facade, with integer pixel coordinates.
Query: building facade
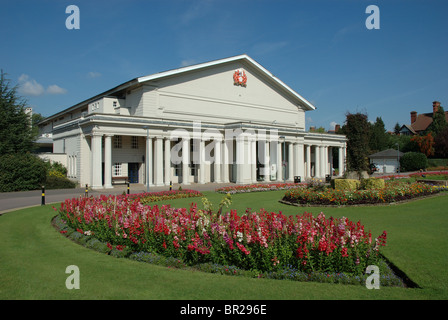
(228, 120)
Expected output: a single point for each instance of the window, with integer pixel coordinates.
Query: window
(117, 142)
(134, 143)
(116, 170)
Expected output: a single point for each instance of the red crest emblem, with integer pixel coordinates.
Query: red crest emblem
(239, 78)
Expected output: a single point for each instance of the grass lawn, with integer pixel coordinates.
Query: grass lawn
(34, 256)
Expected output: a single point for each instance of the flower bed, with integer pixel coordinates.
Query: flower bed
(264, 242)
(395, 190)
(258, 187)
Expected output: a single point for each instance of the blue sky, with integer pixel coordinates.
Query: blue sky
(321, 49)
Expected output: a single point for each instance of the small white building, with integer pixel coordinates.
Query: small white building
(228, 120)
(387, 161)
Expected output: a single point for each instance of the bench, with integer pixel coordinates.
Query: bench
(115, 179)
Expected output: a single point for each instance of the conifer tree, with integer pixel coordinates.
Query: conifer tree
(15, 125)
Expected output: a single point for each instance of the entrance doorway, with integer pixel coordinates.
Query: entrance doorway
(133, 172)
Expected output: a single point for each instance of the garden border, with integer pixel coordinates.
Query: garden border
(362, 205)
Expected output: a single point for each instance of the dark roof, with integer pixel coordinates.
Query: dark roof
(389, 153)
(424, 120)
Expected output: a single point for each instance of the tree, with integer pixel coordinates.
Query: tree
(438, 122)
(441, 144)
(425, 143)
(15, 126)
(379, 138)
(357, 130)
(397, 128)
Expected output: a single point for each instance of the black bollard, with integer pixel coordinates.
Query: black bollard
(43, 196)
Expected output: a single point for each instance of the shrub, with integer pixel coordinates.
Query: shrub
(345, 184)
(58, 182)
(21, 172)
(372, 183)
(412, 161)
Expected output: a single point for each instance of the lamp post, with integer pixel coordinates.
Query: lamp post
(147, 158)
(398, 157)
(284, 159)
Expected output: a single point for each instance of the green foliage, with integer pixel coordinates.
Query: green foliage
(20, 172)
(345, 184)
(379, 138)
(56, 168)
(372, 183)
(441, 143)
(16, 135)
(412, 161)
(438, 123)
(357, 130)
(55, 182)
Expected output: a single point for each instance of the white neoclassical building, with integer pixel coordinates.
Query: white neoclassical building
(228, 120)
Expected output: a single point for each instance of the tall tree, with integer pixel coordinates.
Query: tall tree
(397, 128)
(15, 125)
(438, 122)
(379, 137)
(441, 144)
(357, 130)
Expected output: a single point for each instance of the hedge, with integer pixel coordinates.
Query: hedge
(345, 184)
(21, 172)
(372, 183)
(413, 161)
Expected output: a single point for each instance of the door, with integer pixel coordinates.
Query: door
(133, 172)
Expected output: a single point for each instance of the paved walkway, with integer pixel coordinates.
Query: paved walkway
(10, 201)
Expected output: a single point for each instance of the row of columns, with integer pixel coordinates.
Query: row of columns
(298, 161)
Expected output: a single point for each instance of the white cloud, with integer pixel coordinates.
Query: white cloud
(94, 74)
(55, 89)
(30, 87)
(333, 125)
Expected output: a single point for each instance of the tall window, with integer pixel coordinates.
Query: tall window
(134, 143)
(117, 142)
(116, 170)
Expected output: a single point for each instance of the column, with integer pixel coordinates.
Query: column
(97, 170)
(325, 155)
(239, 158)
(149, 175)
(317, 161)
(267, 167)
(185, 160)
(308, 161)
(290, 162)
(225, 160)
(158, 162)
(217, 161)
(108, 161)
(201, 172)
(322, 161)
(253, 159)
(279, 161)
(167, 161)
